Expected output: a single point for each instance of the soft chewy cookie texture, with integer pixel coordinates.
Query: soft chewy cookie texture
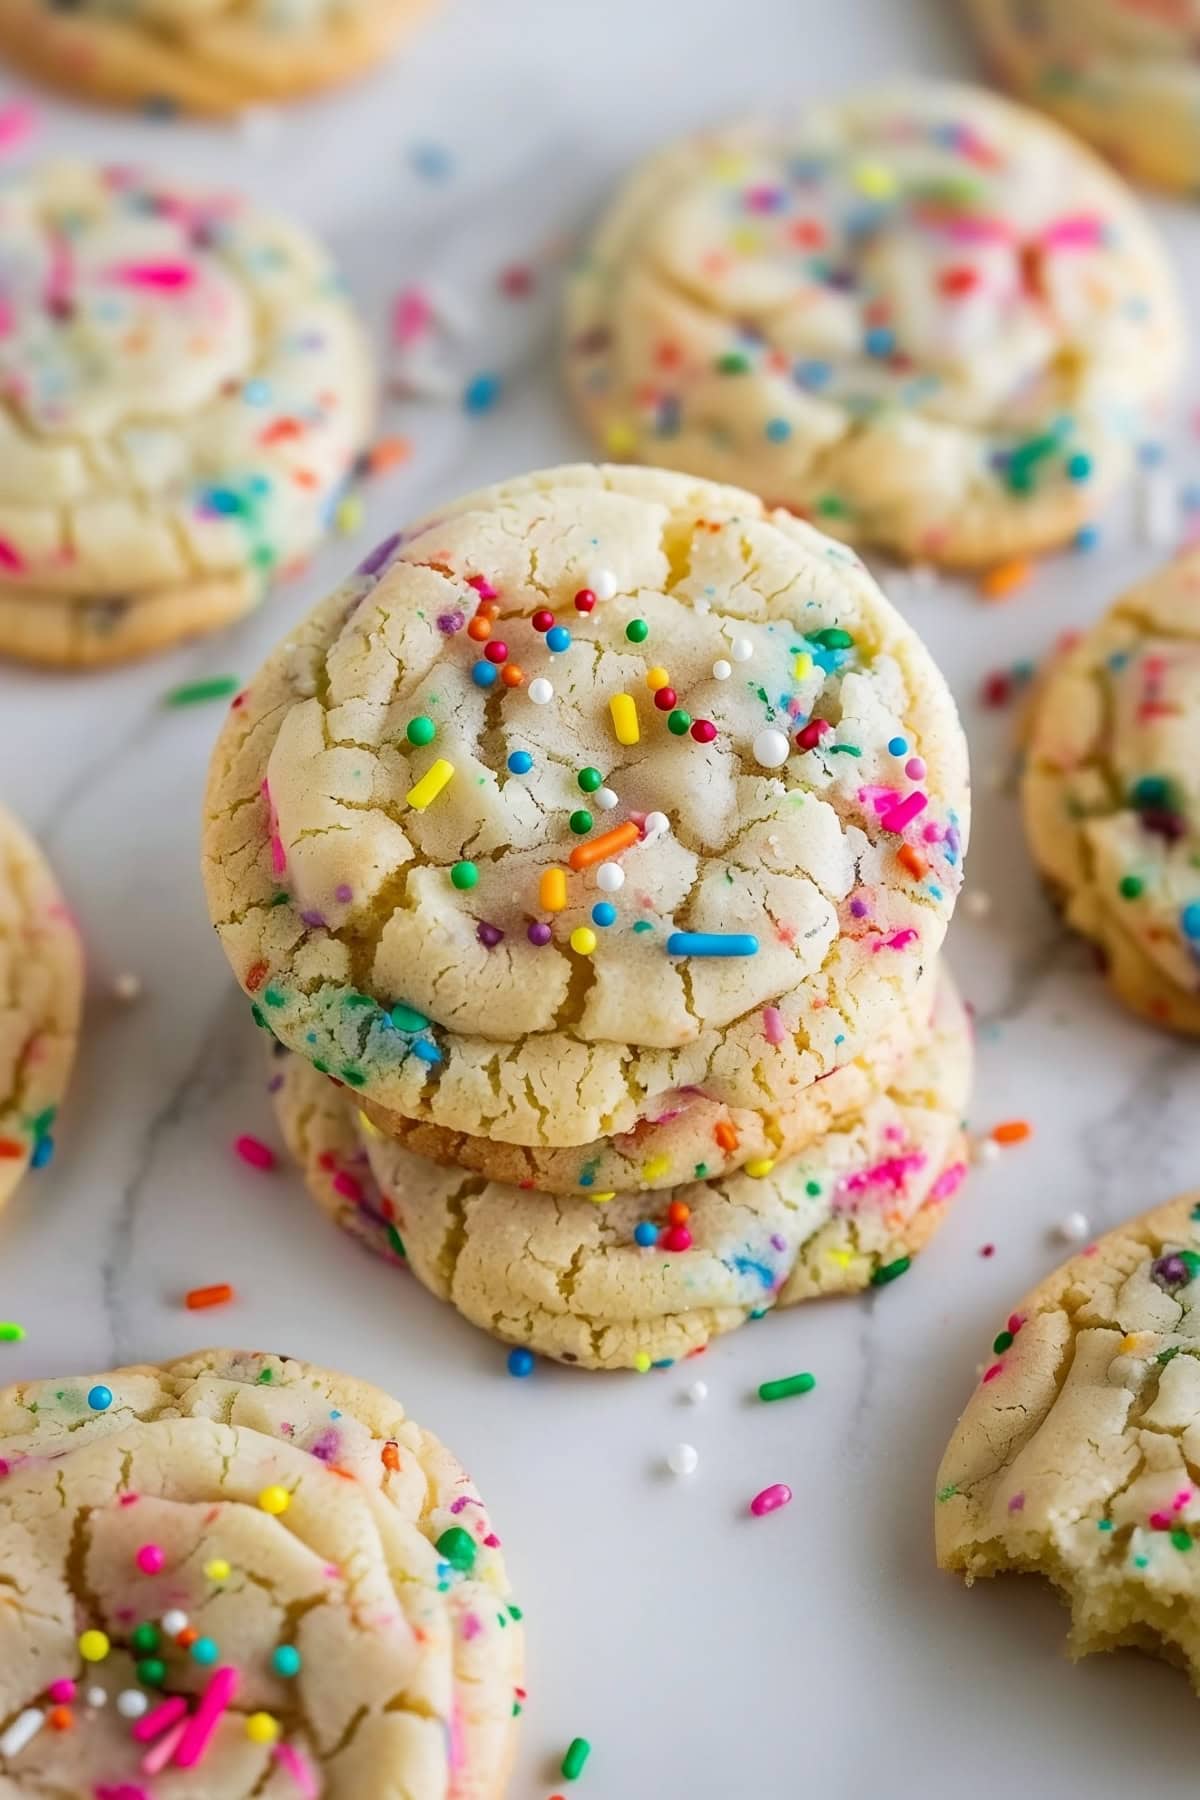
(921, 316)
(635, 1281)
(41, 989)
(1120, 73)
(1112, 792)
(200, 56)
(184, 391)
(1076, 1456)
(240, 1575)
(527, 898)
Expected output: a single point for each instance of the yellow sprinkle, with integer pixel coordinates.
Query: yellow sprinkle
(583, 940)
(842, 1258)
(368, 1126)
(746, 240)
(656, 678)
(620, 440)
(1129, 1342)
(430, 784)
(875, 180)
(657, 1166)
(802, 668)
(624, 718)
(641, 1362)
(349, 515)
(93, 1646)
(274, 1500)
(603, 1199)
(729, 166)
(552, 890)
(218, 1569)
(761, 1166)
(261, 1728)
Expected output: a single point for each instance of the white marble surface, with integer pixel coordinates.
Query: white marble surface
(705, 1654)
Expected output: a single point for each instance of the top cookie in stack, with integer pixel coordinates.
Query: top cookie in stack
(606, 805)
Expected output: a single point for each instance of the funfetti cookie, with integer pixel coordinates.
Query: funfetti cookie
(1076, 1456)
(923, 317)
(240, 1575)
(1119, 72)
(1111, 792)
(184, 391)
(218, 56)
(633, 1281)
(41, 990)
(601, 785)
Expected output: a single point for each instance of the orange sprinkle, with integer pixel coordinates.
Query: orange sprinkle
(726, 1135)
(609, 843)
(387, 453)
(479, 628)
(512, 675)
(217, 1295)
(389, 1456)
(678, 1213)
(187, 1637)
(1006, 578)
(912, 861)
(10, 1148)
(305, 478)
(256, 974)
(1012, 1131)
(60, 1718)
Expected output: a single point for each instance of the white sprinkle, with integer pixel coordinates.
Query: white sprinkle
(985, 1150)
(603, 584)
(656, 826)
(610, 878)
(977, 904)
(174, 1622)
(1074, 1228)
(771, 748)
(741, 649)
(722, 670)
(1157, 508)
(22, 1731)
(541, 692)
(701, 606)
(96, 1696)
(127, 987)
(132, 1703)
(698, 1392)
(605, 799)
(684, 1459)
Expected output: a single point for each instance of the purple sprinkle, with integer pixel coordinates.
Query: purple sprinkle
(777, 1242)
(327, 1446)
(489, 935)
(343, 893)
(450, 622)
(539, 933)
(858, 909)
(378, 558)
(312, 918)
(275, 1083)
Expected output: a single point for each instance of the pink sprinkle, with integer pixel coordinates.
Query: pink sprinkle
(991, 1374)
(914, 768)
(295, 1764)
(773, 1029)
(412, 316)
(949, 1181)
(905, 812)
(1077, 231)
(166, 277)
(253, 1151)
(471, 1626)
(18, 121)
(10, 557)
(62, 1692)
(771, 1499)
(483, 587)
(157, 1759)
(1161, 1521)
(1181, 1499)
(156, 1721)
(1017, 1503)
(151, 1558)
(892, 1172)
(347, 1187)
(214, 1701)
(899, 940)
(278, 855)
(124, 1790)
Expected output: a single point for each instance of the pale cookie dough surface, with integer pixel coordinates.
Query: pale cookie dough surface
(201, 56)
(41, 992)
(184, 391)
(408, 1655)
(922, 316)
(330, 869)
(1122, 73)
(568, 1279)
(1112, 792)
(1075, 1458)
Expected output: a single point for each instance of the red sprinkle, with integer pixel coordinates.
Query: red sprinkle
(219, 1294)
(253, 1151)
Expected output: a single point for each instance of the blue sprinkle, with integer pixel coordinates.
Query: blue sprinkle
(256, 392)
(1150, 455)
(520, 762)
(1189, 918)
(426, 1050)
(711, 943)
(746, 1265)
(813, 374)
(897, 746)
(100, 1398)
(558, 638)
(879, 341)
(481, 393)
(520, 1362)
(604, 913)
(484, 674)
(43, 1152)
(778, 431)
(432, 161)
(645, 1234)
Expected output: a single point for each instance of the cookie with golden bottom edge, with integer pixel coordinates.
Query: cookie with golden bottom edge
(1076, 1456)
(41, 994)
(599, 786)
(329, 1557)
(923, 317)
(184, 393)
(1122, 75)
(218, 58)
(639, 1280)
(1111, 792)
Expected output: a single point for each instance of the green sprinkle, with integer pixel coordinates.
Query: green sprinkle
(812, 1187)
(266, 1377)
(643, 925)
(257, 1016)
(843, 749)
(1103, 1524)
(396, 1241)
(1002, 1342)
(734, 362)
(353, 1077)
(700, 1171)
(1181, 1539)
(578, 1751)
(152, 1671)
(891, 1271)
(1165, 1356)
(1141, 1562)
(145, 1638)
(10, 1333)
(464, 875)
(786, 1386)
(831, 507)
(217, 687)
(1130, 886)
(833, 638)
(580, 822)
(514, 1612)
(946, 1493)
(407, 1018)
(1151, 793)
(678, 722)
(458, 1548)
(421, 730)
(637, 631)
(589, 780)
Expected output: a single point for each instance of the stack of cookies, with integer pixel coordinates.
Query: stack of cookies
(590, 851)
